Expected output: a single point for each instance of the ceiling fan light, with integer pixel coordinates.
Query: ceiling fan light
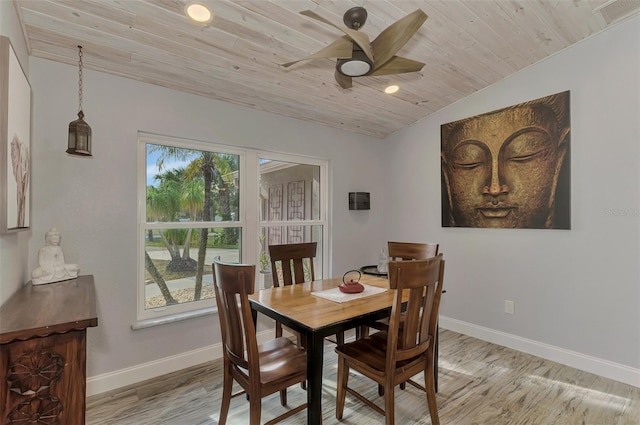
(357, 66)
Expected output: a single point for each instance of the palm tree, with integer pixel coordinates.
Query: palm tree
(207, 168)
(153, 271)
(196, 198)
(164, 203)
(168, 202)
(193, 194)
(156, 206)
(225, 165)
(202, 167)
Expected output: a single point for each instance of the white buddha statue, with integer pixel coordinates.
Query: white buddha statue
(52, 267)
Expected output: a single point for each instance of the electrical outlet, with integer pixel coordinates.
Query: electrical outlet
(509, 306)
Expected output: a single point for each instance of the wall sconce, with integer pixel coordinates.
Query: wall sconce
(359, 201)
(79, 131)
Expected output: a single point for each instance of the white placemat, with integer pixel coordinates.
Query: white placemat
(335, 295)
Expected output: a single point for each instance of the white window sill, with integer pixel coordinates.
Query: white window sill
(172, 318)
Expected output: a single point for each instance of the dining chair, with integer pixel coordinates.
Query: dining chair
(412, 251)
(399, 251)
(288, 268)
(262, 369)
(404, 251)
(393, 356)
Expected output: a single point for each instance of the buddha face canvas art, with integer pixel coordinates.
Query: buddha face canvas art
(508, 168)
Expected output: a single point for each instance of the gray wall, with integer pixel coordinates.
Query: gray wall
(575, 290)
(92, 201)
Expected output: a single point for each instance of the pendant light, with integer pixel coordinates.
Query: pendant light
(79, 131)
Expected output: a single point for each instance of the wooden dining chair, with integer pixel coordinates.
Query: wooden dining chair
(260, 370)
(393, 356)
(404, 251)
(288, 268)
(412, 251)
(399, 251)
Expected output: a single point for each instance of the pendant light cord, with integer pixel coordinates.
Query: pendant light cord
(80, 79)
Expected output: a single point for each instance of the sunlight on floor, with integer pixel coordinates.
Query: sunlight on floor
(471, 372)
(587, 395)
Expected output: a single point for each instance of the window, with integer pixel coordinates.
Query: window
(291, 200)
(200, 200)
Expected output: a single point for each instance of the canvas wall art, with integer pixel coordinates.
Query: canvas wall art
(15, 141)
(509, 168)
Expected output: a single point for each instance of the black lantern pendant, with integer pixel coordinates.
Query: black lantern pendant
(79, 130)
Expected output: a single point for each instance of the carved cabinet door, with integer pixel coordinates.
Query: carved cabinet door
(43, 380)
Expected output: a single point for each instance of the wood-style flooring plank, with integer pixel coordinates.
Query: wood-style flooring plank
(480, 384)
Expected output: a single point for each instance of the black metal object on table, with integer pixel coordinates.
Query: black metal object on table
(372, 270)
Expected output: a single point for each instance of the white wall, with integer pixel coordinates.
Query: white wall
(13, 246)
(92, 201)
(576, 292)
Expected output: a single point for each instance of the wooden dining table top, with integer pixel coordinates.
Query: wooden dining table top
(298, 303)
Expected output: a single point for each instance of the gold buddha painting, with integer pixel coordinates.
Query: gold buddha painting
(509, 168)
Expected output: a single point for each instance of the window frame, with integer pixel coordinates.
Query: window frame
(247, 220)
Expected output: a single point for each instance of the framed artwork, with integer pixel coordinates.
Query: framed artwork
(15, 142)
(509, 168)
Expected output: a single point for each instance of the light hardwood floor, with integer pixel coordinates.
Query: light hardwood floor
(480, 384)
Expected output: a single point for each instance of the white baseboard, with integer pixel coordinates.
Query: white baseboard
(124, 377)
(597, 366)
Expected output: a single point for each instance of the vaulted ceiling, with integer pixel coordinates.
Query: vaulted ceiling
(465, 44)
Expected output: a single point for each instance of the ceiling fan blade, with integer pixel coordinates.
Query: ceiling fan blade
(344, 81)
(398, 65)
(360, 38)
(342, 48)
(395, 36)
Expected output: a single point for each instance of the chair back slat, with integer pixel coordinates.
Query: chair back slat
(420, 281)
(233, 283)
(290, 255)
(412, 251)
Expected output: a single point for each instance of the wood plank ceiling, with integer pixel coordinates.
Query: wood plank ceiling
(466, 45)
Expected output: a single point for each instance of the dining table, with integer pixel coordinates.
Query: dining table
(315, 310)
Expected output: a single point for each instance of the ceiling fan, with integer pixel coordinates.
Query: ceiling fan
(357, 57)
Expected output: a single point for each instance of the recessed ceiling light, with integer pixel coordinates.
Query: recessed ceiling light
(199, 13)
(391, 89)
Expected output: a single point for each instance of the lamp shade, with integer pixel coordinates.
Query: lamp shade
(79, 137)
(359, 201)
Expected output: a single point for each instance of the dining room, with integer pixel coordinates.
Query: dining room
(541, 325)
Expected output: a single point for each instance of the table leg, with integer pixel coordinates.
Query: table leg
(315, 354)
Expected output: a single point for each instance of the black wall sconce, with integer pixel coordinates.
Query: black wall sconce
(359, 201)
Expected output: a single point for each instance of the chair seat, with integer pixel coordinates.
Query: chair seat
(281, 359)
(371, 352)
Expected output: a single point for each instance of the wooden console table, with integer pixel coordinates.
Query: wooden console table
(43, 352)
